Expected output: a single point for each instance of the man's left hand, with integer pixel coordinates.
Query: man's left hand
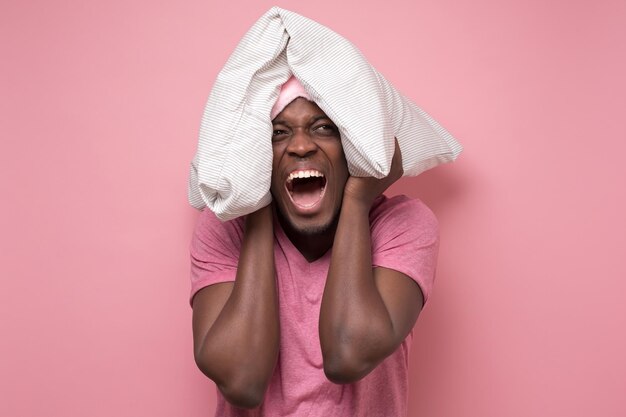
(366, 189)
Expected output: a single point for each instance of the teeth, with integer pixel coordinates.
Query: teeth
(304, 174)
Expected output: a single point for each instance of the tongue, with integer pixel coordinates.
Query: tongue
(306, 193)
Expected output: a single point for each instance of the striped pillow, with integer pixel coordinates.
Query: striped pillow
(232, 168)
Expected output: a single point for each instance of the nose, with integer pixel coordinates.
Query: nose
(301, 144)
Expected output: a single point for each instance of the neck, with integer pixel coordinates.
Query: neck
(311, 245)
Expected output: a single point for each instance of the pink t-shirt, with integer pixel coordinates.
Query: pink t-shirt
(404, 238)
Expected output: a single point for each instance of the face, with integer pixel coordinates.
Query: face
(309, 170)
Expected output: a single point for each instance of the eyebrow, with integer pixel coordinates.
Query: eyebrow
(312, 120)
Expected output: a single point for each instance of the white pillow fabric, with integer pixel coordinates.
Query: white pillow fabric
(232, 168)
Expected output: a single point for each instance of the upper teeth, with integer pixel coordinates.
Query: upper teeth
(304, 174)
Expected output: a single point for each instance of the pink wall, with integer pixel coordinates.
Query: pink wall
(100, 103)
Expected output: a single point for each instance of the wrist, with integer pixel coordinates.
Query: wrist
(357, 204)
(260, 219)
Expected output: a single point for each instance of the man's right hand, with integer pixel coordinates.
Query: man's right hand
(228, 346)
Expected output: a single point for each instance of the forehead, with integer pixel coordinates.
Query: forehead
(300, 110)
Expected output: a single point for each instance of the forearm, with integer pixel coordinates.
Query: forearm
(240, 350)
(356, 331)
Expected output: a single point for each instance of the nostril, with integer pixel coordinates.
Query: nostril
(301, 145)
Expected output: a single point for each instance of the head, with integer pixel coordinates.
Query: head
(309, 169)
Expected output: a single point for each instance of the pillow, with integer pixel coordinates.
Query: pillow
(232, 168)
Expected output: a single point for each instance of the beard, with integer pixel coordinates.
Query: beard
(311, 230)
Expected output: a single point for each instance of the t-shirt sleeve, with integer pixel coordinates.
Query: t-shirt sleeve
(405, 238)
(214, 251)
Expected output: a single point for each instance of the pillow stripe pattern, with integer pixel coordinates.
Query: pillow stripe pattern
(232, 168)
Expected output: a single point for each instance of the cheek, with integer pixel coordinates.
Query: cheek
(275, 163)
(274, 184)
(343, 179)
(341, 164)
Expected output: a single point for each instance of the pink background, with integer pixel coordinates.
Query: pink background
(100, 103)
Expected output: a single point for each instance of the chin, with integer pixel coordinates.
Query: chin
(312, 230)
(310, 226)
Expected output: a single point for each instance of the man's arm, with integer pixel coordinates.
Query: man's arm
(235, 325)
(366, 313)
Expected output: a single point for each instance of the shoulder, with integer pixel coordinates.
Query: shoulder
(401, 213)
(214, 251)
(212, 234)
(405, 238)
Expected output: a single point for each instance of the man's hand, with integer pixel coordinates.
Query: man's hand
(228, 346)
(366, 313)
(366, 189)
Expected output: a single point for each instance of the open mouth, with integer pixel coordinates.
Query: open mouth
(306, 188)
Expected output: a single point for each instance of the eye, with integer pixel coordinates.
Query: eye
(326, 129)
(278, 134)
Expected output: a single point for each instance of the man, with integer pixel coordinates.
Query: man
(303, 308)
